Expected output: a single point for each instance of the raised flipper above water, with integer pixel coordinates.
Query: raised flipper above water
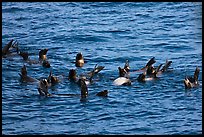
(6, 48)
(127, 66)
(148, 65)
(191, 82)
(151, 62)
(122, 72)
(84, 89)
(52, 79)
(166, 66)
(95, 70)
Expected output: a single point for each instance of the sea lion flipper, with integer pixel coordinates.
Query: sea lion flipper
(150, 62)
(84, 89)
(196, 73)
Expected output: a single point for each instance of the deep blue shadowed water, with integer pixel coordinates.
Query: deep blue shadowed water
(107, 34)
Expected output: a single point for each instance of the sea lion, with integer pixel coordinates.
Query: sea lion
(152, 75)
(148, 66)
(191, 82)
(88, 77)
(43, 88)
(124, 72)
(95, 70)
(122, 81)
(79, 62)
(46, 64)
(103, 93)
(42, 54)
(52, 79)
(25, 77)
(42, 58)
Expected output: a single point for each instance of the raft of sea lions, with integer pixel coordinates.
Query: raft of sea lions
(148, 72)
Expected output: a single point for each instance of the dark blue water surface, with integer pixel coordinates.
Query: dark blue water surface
(107, 34)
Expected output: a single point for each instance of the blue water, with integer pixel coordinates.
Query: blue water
(107, 34)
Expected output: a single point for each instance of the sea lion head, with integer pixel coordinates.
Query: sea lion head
(141, 77)
(42, 54)
(46, 64)
(24, 55)
(103, 93)
(23, 71)
(72, 75)
(79, 60)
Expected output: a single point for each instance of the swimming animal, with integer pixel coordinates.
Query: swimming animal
(123, 78)
(42, 58)
(25, 77)
(87, 77)
(122, 81)
(52, 79)
(142, 77)
(79, 62)
(43, 88)
(103, 93)
(24, 55)
(74, 78)
(191, 82)
(124, 72)
(42, 54)
(95, 70)
(46, 64)
(148, 67)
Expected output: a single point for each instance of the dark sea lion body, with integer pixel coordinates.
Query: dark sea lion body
(25, 77)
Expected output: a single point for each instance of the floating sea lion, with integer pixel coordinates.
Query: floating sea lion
(122, 81)
(95, 70)
(52, 79)
(46, 64)
(142, 77)
(42, 58)
(88, 77)
(43, 88)
(79, 62)
(103, 93)
(25, 77)
(148, 66)
(191, 82)
(42, 54)
(123, 78)
(124, 72)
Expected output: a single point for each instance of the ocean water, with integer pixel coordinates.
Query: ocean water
(107, 34)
